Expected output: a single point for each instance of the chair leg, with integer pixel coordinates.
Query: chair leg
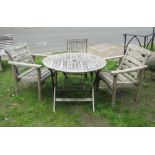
(139, 84)
(54, 91)
(39, 84)
(96, 82)
(1, 65)
(93, 99)
(52, 78)
(114, 90)
(39, 91)
(15, 80)
(54, 96)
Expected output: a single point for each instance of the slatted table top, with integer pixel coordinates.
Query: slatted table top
(74, 62)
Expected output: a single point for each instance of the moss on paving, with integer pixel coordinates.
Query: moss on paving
(25, 110)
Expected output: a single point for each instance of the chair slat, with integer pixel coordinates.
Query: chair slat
(20, 54)
(77, 45)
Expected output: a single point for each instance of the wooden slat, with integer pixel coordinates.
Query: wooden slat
(74, 99)
(134, 73)
(133, 60)
(16, 53)
(139, 49)
(27, 72)
(74, 62)
(123, 79)
(130, 77)
(6, 40)
(77, 45)
(21, 54)
(138, 55)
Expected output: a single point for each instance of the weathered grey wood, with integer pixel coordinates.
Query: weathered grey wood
(25, 70)
(129, 70)
(75, 100)
(77, 45)
(15, 79)
(0, 65)
(39, 55)
(114, 57)
(74, 63)
(93, 99)
(6, 41)
(54, 98)
(24, 64)
(131, 66)
(139, 84)
(39, 84)
(22, 54)
(114, 89)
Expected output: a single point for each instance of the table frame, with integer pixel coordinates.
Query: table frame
(55, 99)
(81, 63)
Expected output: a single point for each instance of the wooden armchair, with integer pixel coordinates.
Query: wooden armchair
(24, 68)
(5, 42)
(130, 71)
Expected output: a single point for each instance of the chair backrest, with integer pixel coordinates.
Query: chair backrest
(77, 45)
(6, 41)
(135, 56)
(20, 53)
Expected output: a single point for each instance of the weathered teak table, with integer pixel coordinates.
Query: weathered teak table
(74, 63)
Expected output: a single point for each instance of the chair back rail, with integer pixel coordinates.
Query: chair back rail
(77, 45)
(135, 56)
(6, 40)
(20, 53)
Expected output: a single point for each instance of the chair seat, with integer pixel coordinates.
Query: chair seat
(122, 80)
(30, 75)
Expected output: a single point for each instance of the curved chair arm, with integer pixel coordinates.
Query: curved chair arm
(129, 70)
(114, 57)
(38, 54)
(24, 64)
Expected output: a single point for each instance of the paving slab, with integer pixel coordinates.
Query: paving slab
(106, 49)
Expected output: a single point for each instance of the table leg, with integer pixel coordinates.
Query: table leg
(54, 90)
(54, 95)
(93, 99)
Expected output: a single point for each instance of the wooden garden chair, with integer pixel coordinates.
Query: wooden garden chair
(77, 45)
(5, 42)
(129, 72)
(24, 68)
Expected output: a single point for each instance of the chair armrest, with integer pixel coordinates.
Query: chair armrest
(40, 55)
(24, 64)
(114, 57)
(129, 70)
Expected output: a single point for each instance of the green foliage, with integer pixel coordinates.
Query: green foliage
(153, 50)
(111, 65)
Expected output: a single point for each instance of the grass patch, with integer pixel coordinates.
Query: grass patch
(25, 110)
(153, 50)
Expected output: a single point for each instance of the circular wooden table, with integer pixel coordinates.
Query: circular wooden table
(74, 63)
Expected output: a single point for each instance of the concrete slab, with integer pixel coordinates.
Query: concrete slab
(106, 49)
